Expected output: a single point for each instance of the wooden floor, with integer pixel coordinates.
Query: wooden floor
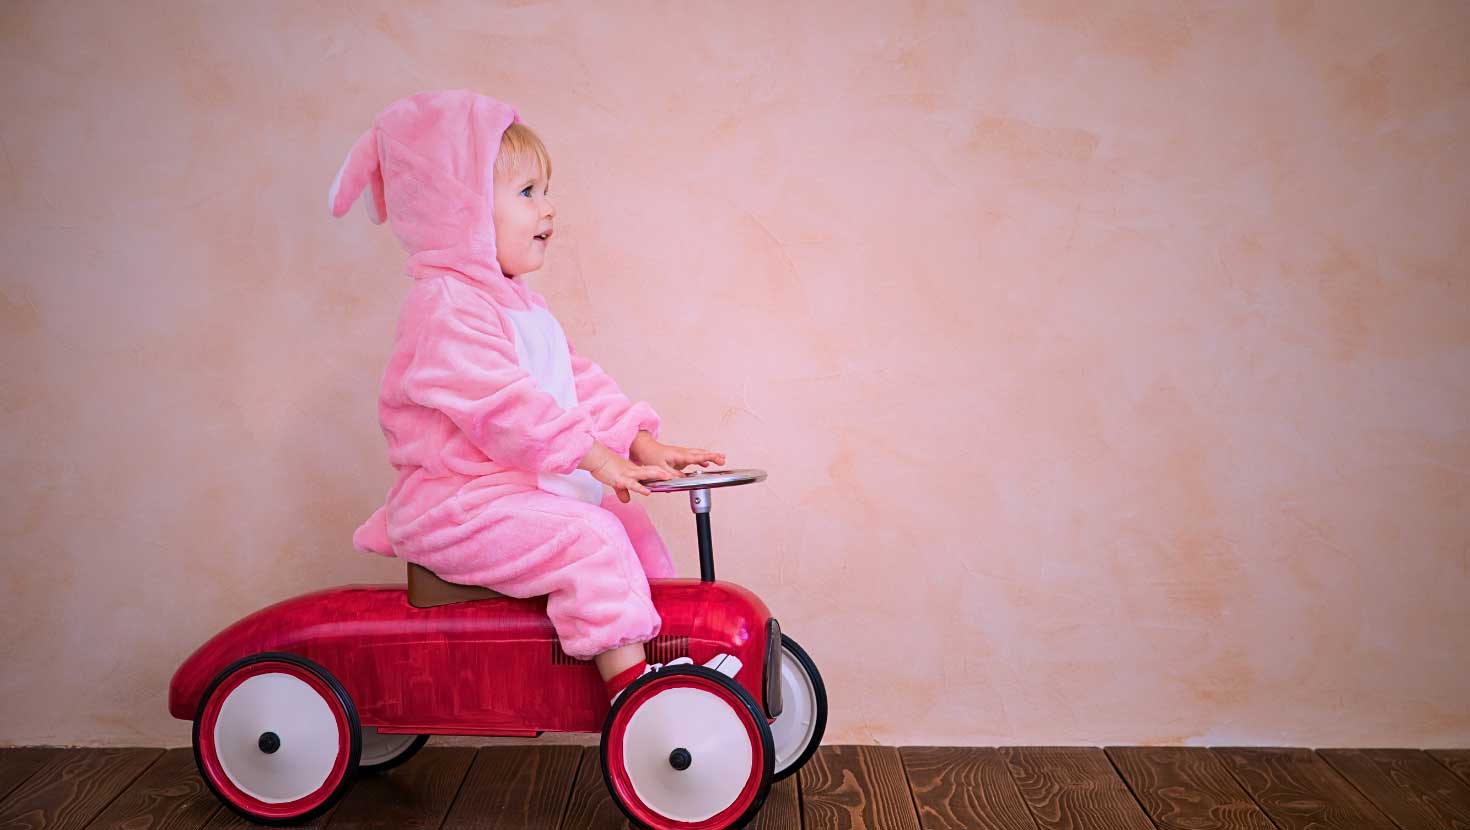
(548, 787)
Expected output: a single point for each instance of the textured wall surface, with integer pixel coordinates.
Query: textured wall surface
(1111, 362)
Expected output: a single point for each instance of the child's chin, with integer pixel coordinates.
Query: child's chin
(525, 266)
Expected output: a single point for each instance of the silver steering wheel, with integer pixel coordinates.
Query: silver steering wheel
(705, 479)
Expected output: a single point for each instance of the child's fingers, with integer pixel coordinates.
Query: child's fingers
(635, 483)
(684, 459)
(705, 458)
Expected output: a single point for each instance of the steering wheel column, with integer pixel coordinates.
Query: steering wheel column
(699, 484)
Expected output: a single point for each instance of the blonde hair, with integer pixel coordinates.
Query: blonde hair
(520, 145)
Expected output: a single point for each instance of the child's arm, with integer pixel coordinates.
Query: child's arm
(465, 366)
(616, 420)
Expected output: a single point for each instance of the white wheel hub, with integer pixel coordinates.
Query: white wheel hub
(720, 756)
(794, 728)
(303, 750)
(380, 748)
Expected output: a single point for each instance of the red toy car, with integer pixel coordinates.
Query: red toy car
(290, 703)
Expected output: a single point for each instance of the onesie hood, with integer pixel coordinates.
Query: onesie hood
(429, 164)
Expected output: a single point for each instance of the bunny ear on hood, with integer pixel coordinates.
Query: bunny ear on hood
(360, 169)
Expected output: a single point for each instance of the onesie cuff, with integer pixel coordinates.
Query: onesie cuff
(619, 437)
(568, 459)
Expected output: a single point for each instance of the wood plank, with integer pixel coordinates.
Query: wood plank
(964, 787)
(1298, 790)
(1407, 785)
(19, 763)
(857, 787)
(74, 786)
(414, 796)
(1186, 787)
(591, 806)
(1073, 787)
(169, 795)
(516, 788)
(1454, 760)
(782, 810)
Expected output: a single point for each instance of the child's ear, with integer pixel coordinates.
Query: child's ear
(360, 169)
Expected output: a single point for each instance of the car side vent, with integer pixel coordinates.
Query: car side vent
(561, 658)
(660, 649)
(665, 648)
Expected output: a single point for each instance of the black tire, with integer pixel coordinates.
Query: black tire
(354, 736)
(820, 688)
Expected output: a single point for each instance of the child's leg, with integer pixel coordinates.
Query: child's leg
(615, 680)
(622, 666)
(533, 543)
(653, 554)
(612, 663)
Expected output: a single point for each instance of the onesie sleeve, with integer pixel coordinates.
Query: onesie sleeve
(465, 365)
(616, 420)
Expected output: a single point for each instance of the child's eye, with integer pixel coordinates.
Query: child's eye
(526, 191)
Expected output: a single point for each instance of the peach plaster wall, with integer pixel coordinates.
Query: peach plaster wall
(1111, 362)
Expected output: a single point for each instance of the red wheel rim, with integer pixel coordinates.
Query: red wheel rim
(209, 754)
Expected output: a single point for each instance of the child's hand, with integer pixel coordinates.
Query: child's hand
(621, 474)
(647, 450)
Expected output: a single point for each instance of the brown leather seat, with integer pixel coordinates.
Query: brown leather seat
(425, 590)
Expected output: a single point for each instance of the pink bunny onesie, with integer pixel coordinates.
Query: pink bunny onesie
(486, 408)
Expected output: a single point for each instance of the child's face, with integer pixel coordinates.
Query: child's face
(523, 215)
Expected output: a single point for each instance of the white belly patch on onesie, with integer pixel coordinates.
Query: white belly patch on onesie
(541, 348)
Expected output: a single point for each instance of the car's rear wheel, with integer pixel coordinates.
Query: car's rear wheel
(687, 747)
(277, 739)
(382, 751)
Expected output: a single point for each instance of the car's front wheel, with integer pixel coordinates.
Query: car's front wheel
(687, 747)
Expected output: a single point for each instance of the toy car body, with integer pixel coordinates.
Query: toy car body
(490, 666)
(290, 703)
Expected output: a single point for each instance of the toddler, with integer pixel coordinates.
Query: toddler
(502, 435)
